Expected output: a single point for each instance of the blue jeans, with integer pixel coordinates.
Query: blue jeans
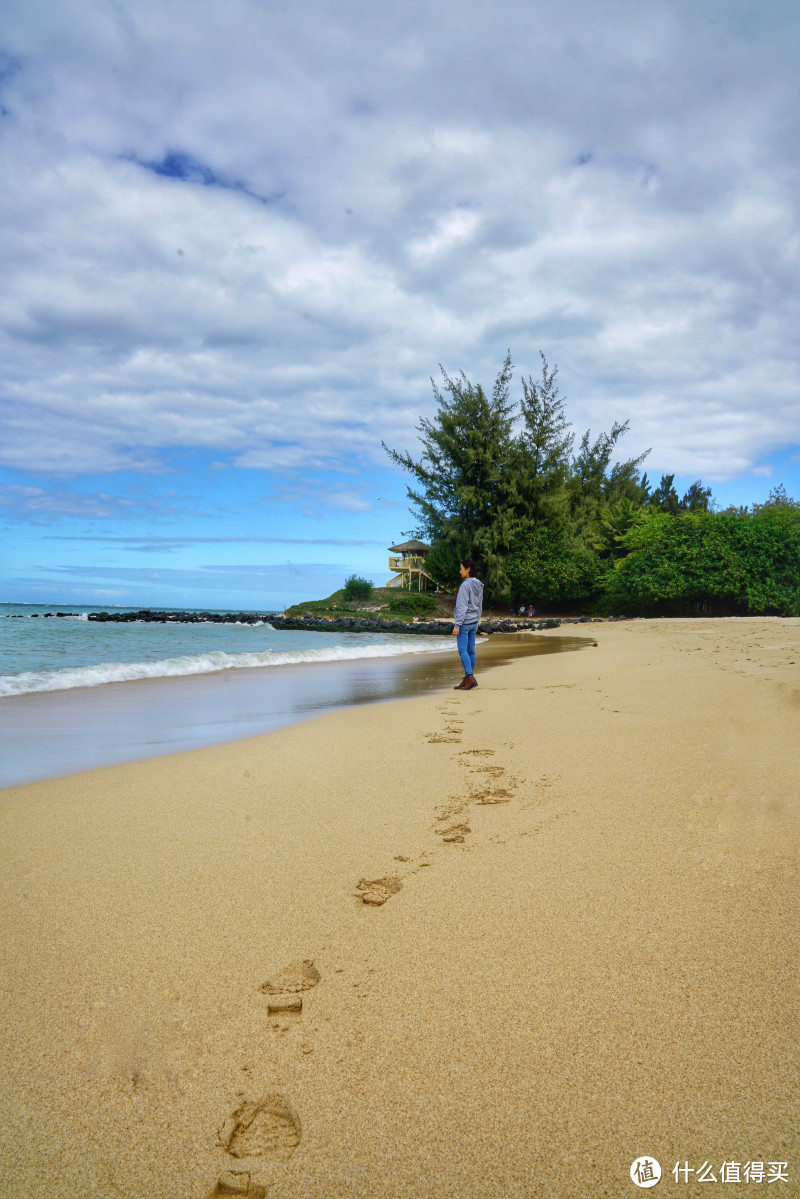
(465, 643)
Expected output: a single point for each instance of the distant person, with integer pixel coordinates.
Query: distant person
(466, 617)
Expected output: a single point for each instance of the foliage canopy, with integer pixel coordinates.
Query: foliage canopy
(500, 481)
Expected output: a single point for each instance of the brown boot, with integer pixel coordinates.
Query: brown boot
(460, 686)
(469, 682)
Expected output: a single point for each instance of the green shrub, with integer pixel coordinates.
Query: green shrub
(718, 561)
(549, 568)
(356, 588)
(412, 603)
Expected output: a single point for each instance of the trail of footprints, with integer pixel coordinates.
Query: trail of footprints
(268, 1128)
(491, 785)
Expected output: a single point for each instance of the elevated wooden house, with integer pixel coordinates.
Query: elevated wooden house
(408, 563)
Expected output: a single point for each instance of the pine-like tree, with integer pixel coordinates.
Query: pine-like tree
(543, 450)
(696, 499)
(465, 494)
(665, 497)
(593, 486)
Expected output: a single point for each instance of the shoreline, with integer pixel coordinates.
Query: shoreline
(592, 953)
(50, 734)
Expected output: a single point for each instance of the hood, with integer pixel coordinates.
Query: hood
(473, 587)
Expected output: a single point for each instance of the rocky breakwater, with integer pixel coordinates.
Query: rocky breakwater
(432, 628)
(323, 624)
(154, 616)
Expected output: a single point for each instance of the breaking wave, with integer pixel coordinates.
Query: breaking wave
(209, 663)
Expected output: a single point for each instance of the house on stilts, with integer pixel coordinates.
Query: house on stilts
(408, 563)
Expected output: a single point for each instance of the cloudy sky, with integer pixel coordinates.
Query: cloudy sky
(238, 236)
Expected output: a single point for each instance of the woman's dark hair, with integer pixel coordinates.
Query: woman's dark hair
(469, 565)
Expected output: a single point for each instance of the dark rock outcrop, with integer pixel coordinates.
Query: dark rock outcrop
(320, 624)
(156, 616)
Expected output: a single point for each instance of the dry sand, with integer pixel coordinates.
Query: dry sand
(604, 967)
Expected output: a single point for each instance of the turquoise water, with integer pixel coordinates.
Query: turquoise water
(76, 694)
(50, 653)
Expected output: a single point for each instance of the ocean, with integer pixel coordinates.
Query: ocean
(76, 694)
(40, 652)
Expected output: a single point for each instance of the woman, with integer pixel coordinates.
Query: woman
(469, 604)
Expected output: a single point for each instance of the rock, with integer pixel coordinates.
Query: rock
(310, 623)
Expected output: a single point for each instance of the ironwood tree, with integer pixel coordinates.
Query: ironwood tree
(465, 489)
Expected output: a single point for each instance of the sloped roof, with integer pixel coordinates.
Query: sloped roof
(409, 547)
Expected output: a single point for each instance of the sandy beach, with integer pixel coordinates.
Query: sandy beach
(582, 947)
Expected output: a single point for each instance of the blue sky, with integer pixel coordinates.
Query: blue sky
(237, 239)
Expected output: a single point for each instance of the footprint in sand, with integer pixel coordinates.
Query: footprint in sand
(455, 833)
(233, 1182)
(299, 976)
(452, 729)
(477, 753)
(492, 771)
(374, 892)
(268, 1127)
(285, 987)
(493, 796)
(491, 793)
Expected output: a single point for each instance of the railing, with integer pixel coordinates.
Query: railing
(413, 562)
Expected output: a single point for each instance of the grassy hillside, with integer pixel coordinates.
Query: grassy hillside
(377, 605)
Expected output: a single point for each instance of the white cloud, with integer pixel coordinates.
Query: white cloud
(43, 505)
(283, 579)
(357, 195)
(152, 543)
(451, 231)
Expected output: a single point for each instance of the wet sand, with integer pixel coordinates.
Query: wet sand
(50, 734)
(591, 954)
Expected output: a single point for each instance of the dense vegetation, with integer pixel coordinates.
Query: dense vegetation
(501, 482)
(412, 603)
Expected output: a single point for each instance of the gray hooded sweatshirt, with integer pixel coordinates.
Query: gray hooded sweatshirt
(469, 603)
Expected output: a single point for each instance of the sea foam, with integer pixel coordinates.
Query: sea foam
(209, 663)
